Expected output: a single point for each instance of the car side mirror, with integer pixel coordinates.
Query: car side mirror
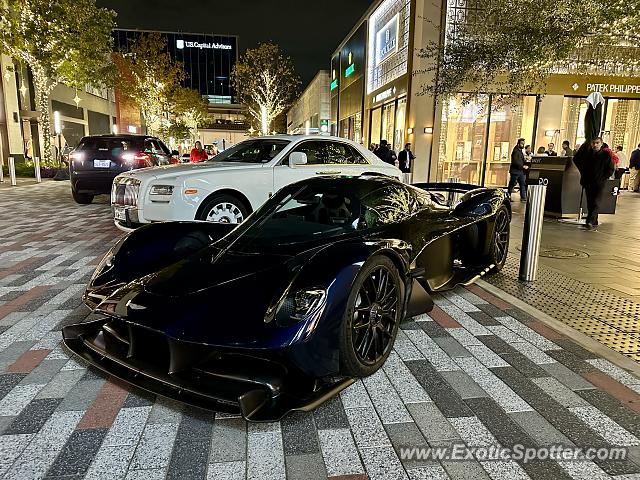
(297, 158)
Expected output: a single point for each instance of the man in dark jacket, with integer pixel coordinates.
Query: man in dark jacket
(517, 169)
(385, 153)
(406, 157)
(596, 166)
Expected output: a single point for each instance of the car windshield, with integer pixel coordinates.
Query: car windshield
(252, 151)
(318, 212)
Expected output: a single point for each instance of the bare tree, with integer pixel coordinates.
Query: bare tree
(265, 80)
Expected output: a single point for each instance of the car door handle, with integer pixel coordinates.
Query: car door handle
(329, 172)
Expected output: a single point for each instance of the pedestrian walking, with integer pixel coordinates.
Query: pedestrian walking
(596, 166)
(634, 170)
(385, 153)
(406, 157)
(516, 170)
(198, 154)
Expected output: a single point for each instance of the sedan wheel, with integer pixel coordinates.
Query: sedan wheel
(223, 209)
(371, 322)
(225, 213)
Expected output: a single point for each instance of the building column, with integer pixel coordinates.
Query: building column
(423, 110)
(11, 135)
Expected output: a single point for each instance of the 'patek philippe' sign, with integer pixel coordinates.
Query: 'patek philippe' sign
(612, 88)
(387, 40)
(180, 44)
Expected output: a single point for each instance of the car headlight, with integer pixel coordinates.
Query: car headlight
(301, 306)
(161, 190)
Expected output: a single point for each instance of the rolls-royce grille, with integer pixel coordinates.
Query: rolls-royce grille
(125, 194)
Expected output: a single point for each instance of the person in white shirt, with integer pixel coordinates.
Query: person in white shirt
(623, 165)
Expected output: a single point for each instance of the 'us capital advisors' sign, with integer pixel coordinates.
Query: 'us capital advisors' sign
(387, 40)
(180, 44)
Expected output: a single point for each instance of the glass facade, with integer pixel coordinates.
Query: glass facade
(507, 124)
(622, 124)
(477, 137)
(207, 58)
(462, 139)
(387, 122)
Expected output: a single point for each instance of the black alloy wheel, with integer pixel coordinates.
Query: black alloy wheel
(371, 321)
(500, 241)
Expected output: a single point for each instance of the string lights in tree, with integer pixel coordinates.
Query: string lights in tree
(60, 41)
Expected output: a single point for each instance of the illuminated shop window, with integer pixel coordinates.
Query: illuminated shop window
(388, 49)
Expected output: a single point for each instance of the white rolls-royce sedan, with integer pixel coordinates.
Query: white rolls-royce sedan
(234, 183)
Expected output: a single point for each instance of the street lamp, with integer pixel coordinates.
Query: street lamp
(57, 128)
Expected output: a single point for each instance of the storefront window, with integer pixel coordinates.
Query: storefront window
(376, 120)
(388, 118)
(398, 136)
(507, 124)
(462, 140)
(572, 124)
(621, 124)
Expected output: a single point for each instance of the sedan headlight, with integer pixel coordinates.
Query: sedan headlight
(161, 190)
(300, 306)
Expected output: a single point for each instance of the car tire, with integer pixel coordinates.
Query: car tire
(82, 198)
(359, 329)
(223, 209)
(500, 239)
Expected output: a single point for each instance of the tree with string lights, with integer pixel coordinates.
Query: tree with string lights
(61, 41)
(265, 80)
(153, 80)
(511, 47)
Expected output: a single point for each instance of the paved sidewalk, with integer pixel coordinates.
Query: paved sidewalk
(475, 370)
(593, 283)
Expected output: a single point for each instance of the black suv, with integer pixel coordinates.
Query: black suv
(99, 158)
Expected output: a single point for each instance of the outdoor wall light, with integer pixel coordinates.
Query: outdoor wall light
(410, 131)
(428, 130)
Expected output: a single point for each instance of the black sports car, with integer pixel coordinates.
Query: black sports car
(285, 310)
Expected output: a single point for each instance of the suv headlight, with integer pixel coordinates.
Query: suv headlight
(300, 306)
(161, 190)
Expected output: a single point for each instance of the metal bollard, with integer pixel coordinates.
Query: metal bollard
(532, 234)
(451, 197)
(36, 166)
(12, 171)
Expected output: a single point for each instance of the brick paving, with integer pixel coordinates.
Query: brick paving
(475, 370)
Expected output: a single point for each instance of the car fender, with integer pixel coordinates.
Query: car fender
(335, 267)
(151, 248)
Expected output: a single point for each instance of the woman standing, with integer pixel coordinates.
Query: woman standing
(198, 154)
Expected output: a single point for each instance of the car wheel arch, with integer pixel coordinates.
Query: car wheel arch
(225, 191)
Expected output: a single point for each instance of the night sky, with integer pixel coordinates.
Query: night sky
(308, 31)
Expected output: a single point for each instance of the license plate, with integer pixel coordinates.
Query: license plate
(120, 214)
(102, 163)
